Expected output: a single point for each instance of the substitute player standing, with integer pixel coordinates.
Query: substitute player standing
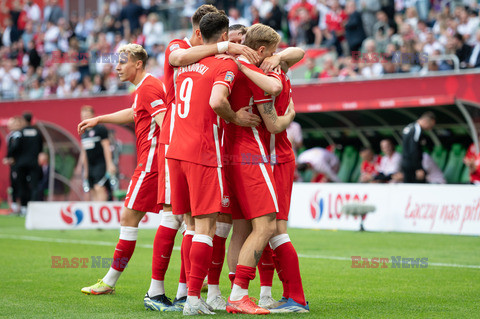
(195, 152)
(146, 112)
(253, 198)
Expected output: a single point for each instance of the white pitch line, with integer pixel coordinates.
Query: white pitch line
(111, 244)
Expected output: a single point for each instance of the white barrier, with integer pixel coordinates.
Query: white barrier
(80, 215)
(444, 209)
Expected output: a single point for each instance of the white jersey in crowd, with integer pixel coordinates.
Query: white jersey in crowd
(434, 174)
(390, 164)
(322, 161)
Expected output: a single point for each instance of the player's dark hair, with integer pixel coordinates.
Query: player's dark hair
(238, 27)
(27, 116)
(201, 12)
(429, 115)
(213, 25)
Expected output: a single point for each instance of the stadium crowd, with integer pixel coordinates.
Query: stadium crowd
(45, 53)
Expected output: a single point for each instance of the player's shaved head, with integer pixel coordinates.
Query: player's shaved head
(135, 51)
(213, 25)
(261, 35)
(201, 12)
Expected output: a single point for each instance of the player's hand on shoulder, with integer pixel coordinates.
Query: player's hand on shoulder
(240, 49)
(270, 63)
(87, 124)
(246, 119)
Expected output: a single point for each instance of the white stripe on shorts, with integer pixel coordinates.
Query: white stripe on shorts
(136, 189)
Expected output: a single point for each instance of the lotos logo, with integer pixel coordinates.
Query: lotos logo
(71, 218)
(316, 206)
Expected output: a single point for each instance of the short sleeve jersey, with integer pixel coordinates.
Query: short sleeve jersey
(92, 144)
(246, 144)
(198, 130)
(149, 101)
(280, 147)
(170, 75)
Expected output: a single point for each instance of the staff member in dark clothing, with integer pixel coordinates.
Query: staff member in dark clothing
(14, 126)
(96, 158)
(25, 151)
(413, 141)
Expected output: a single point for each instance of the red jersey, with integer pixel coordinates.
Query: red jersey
(170, 75)
(247, 144)
(198, 129)
(149, 101)
(472, 154)
(280, 147)
(371, 167)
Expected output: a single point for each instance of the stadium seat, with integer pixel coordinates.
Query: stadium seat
(454, 167)
(439, 156)
(347, 164)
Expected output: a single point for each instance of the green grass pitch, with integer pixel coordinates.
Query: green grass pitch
(30, 287)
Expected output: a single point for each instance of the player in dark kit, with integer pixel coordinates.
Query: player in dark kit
(96, 158)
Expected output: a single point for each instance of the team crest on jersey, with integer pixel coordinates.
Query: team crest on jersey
(229, 76)
(225, 201)
(174, 46)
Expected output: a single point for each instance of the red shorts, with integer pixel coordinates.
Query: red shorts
(164, 190)
(140, 195)
(196, 188)
(283, 174)
(251, 190)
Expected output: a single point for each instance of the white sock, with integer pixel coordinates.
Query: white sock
(181, 290)
(213, 291)
(111, 277)
(156, 288)
(238, 293)
(193, 300)
(265, 291)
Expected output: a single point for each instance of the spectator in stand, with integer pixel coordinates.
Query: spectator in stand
(335, 21)
(466, 26)
(273, 17)
(254, 16)
(9, 79)
(413, 141)
(369, 166)
(369, 11)
(472, 161)
(390, 162)
(313, 70)
(234, 17)
(462, 50)
(370, 68)
(431, 44)
(348, 69)
(354, 32)
(294, 135)
(382, 31)
(322, 162)
(153, 31)
(8, 35)
(299, 14)
(131, 13)
(52, 12)
(34, 14)
(330, 70)
(474, 58)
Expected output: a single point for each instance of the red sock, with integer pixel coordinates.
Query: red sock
(281, 276)
(183, 278)
(186, 245)
(200, 259)
(123, 253)
(232, 279)
(218, 256)
(288, 260)
(244, 275)
(266, 267)
(162, 250)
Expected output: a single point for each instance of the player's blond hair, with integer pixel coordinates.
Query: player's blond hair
(135, 51)
(261, 35)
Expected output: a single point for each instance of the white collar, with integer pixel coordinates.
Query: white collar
(138, 85)
(188, 41)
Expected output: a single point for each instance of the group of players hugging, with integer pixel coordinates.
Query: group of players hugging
(211, 139)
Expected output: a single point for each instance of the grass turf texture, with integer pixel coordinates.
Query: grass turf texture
(29, 287)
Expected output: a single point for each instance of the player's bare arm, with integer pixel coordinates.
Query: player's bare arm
(286, 59)
(220, 105)
(268, 84)
(274, 123)
(121, 117)
(107, 153)
(182, 57)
